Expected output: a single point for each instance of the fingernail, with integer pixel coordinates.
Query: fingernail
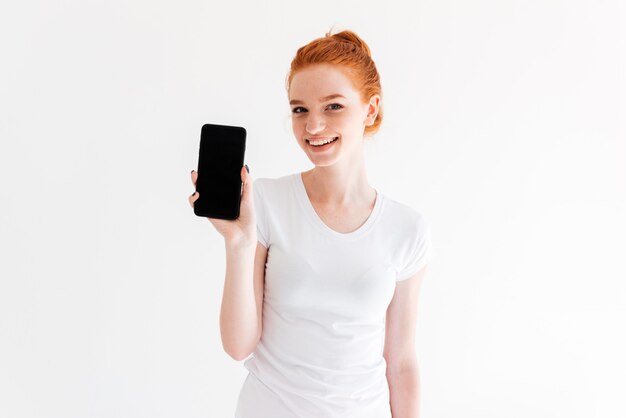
(247, 168)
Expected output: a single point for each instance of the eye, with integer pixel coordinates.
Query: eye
(297, 109)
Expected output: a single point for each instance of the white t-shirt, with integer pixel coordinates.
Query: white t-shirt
(326, 297)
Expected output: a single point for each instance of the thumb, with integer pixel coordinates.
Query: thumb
(247, 180)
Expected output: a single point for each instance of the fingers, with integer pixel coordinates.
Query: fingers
(245, 174)
(245, 177)
(193, 198)
(246, 187)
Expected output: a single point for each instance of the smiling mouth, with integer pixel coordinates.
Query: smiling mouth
(334, 139)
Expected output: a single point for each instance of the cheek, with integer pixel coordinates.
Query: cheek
(346, 121)
(295, 123)
(298, 125)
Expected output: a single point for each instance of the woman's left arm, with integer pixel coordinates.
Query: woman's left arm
(400, 351)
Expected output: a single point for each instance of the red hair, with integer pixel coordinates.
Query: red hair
(348, 50)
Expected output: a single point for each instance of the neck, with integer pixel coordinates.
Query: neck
(339, 187)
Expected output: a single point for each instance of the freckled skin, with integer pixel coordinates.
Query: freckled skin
(339, 178)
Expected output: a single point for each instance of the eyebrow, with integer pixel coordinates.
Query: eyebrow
(322, 99)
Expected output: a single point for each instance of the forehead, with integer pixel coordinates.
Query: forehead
(321, 80)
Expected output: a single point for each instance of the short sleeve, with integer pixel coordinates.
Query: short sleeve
(261, 213)
(420, 253)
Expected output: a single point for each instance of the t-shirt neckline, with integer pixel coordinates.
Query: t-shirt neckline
(309, 210)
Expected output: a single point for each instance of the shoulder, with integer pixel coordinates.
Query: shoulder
(274, 191)
(269, 183)
(403, 216)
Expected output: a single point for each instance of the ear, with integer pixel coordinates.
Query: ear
(372, 110)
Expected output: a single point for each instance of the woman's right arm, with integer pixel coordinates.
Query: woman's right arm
(242, 300)
(241, 316)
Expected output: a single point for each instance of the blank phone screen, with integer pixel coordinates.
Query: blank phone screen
(221, 157)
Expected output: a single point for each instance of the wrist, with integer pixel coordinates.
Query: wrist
(242, 245)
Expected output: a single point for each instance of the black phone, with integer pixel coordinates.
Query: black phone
(221, 157)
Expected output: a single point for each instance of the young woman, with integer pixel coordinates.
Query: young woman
(323, 270)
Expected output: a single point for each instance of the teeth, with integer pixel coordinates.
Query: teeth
(322, 141)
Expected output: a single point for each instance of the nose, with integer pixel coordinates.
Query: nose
(315, 124)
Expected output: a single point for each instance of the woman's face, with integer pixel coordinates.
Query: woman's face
(316, 115)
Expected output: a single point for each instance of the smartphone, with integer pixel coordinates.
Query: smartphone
(220, 159)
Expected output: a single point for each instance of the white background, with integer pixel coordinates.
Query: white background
(504, 126)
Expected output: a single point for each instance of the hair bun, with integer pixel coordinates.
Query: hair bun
(353, 38)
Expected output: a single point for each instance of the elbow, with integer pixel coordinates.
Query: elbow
(239, 354)
(236, 353)
(239, 351)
